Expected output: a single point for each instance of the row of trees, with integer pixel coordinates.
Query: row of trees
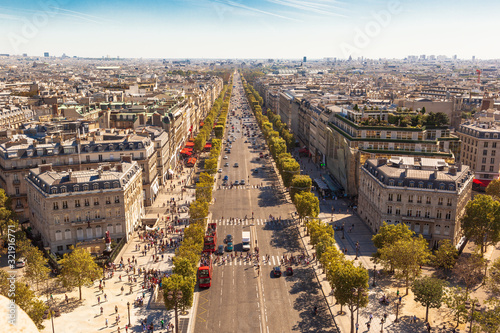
(187, 255)
(279, 140)
(401, 252)
(349, 282)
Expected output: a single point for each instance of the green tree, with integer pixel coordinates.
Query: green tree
(211, 165)
(290, 168)
(37, 269)
(489, 319)
(493, 189)
(184, 267)
(219, 131)
(6, 214)
(199, 141)
(300, 183)
(350, 287)
(406, 257)
(493, 281)
(428, 291)
(307, 204)
(446, 255)
(204, 192)
(194, 231)
(389, 234)
(26, 299)
(198, 210)
(455, 299)
(481, 221)
(79, 269)
(174, 284)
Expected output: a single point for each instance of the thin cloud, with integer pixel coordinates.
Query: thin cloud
(255, 10)
(315, 7)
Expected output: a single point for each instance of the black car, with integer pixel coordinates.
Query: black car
(277, 271)
(229, 238)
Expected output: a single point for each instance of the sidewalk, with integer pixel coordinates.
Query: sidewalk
(85, 316)
(384, 285)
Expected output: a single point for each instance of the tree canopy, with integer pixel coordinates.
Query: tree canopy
(428, 291)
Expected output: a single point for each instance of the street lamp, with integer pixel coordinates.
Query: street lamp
(177, 298)
(382, 323)
(374, 274)
(128, 308)
(358, 292)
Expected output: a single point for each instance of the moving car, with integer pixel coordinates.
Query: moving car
(225, 157)
(236, 182)
(236, 165)
(229, 246)
(242, 182)
(220, 170)
(277, 271)
(226, 164)
(220, 250)
(229, 238)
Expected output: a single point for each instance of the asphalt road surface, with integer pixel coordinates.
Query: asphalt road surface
(242, 297)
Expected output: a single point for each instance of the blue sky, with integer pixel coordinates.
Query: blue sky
(250, 29)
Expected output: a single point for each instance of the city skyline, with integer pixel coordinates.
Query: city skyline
(251, 29)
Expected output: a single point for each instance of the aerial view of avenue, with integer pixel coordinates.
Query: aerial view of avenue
(260, 166)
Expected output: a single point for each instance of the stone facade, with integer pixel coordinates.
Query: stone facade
(78, 207)
(426, 194)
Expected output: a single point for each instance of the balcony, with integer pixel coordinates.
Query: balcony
(16, 182)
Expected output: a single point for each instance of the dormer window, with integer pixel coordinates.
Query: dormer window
(106, 185)
(76, 188)
(441, 186)
(85, 187)
(412, 184)
(391, 182)
(95, 186)
(63, 189)
(420, 184)
(116, 184)
(53, 190)
(451, 187)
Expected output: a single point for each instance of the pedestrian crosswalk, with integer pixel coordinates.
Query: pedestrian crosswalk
(265, 222)
(247, 187)
(242, 261)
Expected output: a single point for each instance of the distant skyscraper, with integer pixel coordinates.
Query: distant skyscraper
(304, 60)
(46, 54)
(473, 58)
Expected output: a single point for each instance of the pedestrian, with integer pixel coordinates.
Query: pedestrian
(102, 310)
(106, 322)
(371, 317)
(98, 299)
(116, 308)
(105, 297)
(66, 298)
(368, 325)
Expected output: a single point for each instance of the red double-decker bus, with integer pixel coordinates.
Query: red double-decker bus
(205, 271)
(210, 242)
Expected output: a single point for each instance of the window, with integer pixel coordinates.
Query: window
(65, 205)
(486, 145)
(437, 229)
(389, 209)
(63, 189)
(427, 214)
(483, 167)
(66, 218)
(494, 144)
(53, 190)
(398, 211)
(118, 212)
(412, 184)
(451, 187)
(79, 234)
(108, 200)
(56, 205)
(109, 228)
(96, 201)
(67, 234)
(446, 230)
(87, 158)
(420, 184)
(416, 228)
(391, 182)
(484, 160)
(493, 152)
(438, 214)
(425, 231)
(59, 247)
(448, 215)
(77, 203)
(17, 191)
(409, 212)
(97, 214)
(98, 231)
(449, 202)
(398, 197)
(57, 220)
(89, 232)
(440, 201)
(492, 160)
(106, 185)
(441, 186)
(485, 152)
(76, 188)
(418, 213)
(100, 158)
(419, 199)
(410, 198)
(428, 201)
(390, 197)
(87, 202)
(118, 227)
(400, 183)
(429, 185)
(117, 199)
(96, 186)
(491, 168)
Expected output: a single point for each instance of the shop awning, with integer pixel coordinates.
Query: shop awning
(186, 151)
(189, 144)
(208, 145)
(202, 123)
(481, 182)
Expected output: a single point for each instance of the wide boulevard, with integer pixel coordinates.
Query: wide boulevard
(243, 298)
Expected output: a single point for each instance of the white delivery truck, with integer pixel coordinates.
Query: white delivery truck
(245, 236)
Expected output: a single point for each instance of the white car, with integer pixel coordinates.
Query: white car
(220, 170)
(225, 157)
(21, 262)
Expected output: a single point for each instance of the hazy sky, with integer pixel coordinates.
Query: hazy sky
(250, 29)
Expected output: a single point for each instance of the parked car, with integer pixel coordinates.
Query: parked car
(21, 262)
(277, 271)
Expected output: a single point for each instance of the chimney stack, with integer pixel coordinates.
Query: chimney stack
(435, 172)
